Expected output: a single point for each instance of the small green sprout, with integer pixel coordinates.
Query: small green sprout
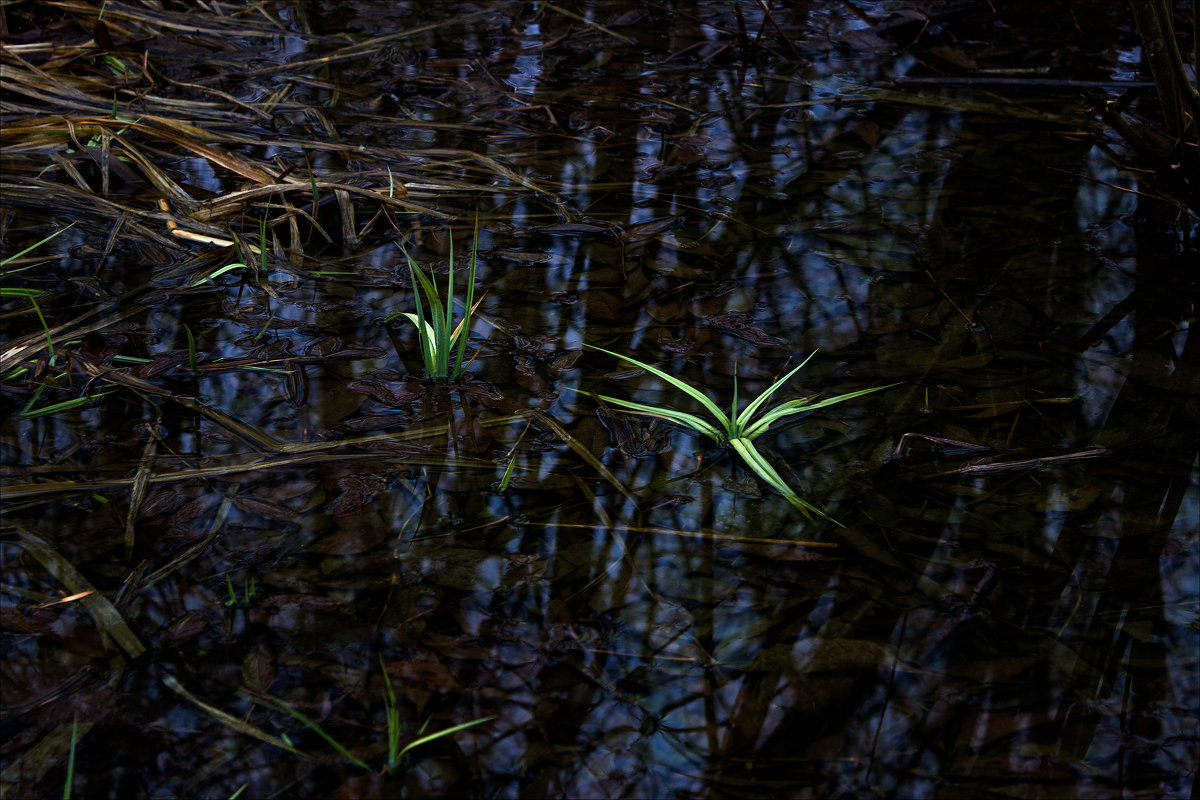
(248, 592)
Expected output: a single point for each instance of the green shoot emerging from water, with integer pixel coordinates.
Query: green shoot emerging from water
(396, 752)
(32, 294)
(737, 430)
(438, 337)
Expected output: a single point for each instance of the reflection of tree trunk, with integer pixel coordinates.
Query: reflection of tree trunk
(1162, 371)
(1180, 102)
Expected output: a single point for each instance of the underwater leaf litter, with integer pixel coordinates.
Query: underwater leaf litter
(253, 475)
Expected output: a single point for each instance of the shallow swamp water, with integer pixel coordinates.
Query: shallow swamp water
(245, 536)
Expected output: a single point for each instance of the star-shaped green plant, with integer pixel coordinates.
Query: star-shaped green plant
(737, 430)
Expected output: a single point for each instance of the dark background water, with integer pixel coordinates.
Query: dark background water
(1009, 610)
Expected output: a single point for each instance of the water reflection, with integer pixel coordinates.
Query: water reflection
(654, 631)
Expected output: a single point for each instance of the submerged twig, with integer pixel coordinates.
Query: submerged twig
(558, 430)
(228, 720)
(590, 23)
(108, 619)
(1026, 463)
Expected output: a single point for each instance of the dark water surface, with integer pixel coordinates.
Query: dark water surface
(268, 500)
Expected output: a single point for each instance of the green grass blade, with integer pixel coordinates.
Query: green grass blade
(31, 295)
(803, 407)
(426, 341)
(760, 465)
(218, 273)
(848, 396)
(393, 718)
(507, 476)
(446, 732)
(320, 732)
(58, 408)
(34, 246)
(37, 395)
(45, 327)
(432, 296)
(682, 417)
(747, 450)
(426, 331)
(777, 413)
(463, 331)
(262, 244)
(263, 330)
(393, 733)
(692, 391)
(512, 458)
(437, 320)
(734, 419)
(191, 347)
(745, 417)
(449, 301)
(71, 758)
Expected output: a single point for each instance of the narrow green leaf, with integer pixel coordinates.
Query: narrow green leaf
(692, 391)
(748, 414)
(58, 408)
(463, 331)
(393, 717)
(735, 422)
(262, 244)
(37, 395)
(803, 406)
(745, 448)
(449, 296)
(446, 732)
(45, 327)
(426, 340)
(507, 476)
(319, 731)
(218, 273)
(71, 758)
(33, 246)
(425, 331)
(682, 417)
(191, 347)
(768, 419)
(848, 396)
(416, 320)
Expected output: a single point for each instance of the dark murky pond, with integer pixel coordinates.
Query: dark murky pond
(234, 502)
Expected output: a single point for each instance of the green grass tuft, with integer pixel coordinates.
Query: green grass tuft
(439, 338)
(737, 429)
(396, 752)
